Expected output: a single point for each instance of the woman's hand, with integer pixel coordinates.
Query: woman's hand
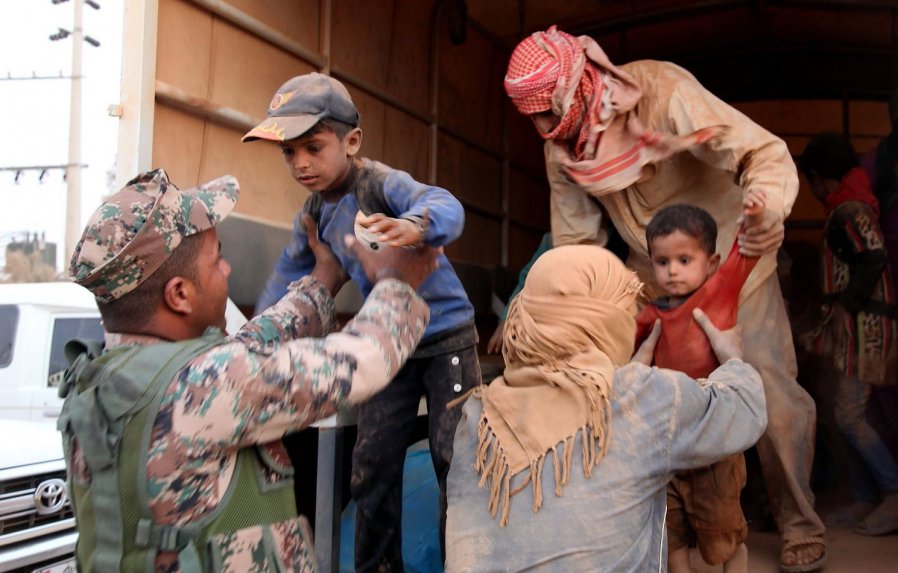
(726, 344)
(646, 353)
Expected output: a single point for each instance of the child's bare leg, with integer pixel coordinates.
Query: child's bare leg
(678, 561)
(738, 563)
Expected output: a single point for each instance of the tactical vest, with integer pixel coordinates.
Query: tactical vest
(111, 402)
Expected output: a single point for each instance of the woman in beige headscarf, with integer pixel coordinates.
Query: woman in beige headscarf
(569, 411)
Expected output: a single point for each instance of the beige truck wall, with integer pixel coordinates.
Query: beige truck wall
(428, 107)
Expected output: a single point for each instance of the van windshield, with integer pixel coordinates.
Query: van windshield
(65, 329)
(9, 318)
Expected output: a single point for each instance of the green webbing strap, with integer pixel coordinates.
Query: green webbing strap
(170, 538)
(97, 415)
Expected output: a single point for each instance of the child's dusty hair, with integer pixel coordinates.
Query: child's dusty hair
(692, 221)
(338, 128)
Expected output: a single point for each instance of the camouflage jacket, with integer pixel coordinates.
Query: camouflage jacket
(277, 374)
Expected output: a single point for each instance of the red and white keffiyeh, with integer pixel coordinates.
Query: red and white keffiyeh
(574, 79)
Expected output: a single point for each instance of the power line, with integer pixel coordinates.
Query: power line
(39, 167)
(9, 77)
(44, 169)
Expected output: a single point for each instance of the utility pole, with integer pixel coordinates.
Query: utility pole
(73, 169)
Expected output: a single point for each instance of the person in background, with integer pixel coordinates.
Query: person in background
(646, 135)
(858, 331)
(172, 430)
(881, 166)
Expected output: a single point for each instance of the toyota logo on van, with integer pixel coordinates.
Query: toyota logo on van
(50, 496)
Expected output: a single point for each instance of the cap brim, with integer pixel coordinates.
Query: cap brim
(212, 201)
(282, 128)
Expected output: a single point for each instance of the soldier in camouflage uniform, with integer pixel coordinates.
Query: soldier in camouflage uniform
(172, 430)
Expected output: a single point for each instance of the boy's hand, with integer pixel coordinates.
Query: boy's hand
(727, 344)
(328, 269)
(394, 232)
(646, 353)
(410, 266)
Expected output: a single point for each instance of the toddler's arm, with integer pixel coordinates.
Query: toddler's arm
(753, 205)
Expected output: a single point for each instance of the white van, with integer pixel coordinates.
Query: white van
(37, 525)
(36, 320)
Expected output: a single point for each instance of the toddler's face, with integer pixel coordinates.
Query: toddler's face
(680, 263)
(320, 162)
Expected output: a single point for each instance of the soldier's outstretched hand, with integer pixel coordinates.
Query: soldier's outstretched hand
(328, 269)
(409, 265)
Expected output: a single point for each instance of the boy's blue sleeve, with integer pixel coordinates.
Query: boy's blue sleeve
(409, 199)
(295, 262)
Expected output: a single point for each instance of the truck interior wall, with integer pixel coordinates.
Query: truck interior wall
(451, 124)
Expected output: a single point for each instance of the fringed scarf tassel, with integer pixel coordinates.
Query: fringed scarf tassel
(495, 473)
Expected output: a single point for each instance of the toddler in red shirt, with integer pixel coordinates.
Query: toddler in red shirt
(703, 506)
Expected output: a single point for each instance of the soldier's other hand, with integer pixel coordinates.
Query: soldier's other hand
(409, 265)
(494, 346)
(727, 344)
(646, 353)
(328, 269)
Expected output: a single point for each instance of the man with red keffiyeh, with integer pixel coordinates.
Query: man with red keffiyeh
(617, 134)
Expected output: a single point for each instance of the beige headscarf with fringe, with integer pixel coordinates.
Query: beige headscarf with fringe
(567, 331)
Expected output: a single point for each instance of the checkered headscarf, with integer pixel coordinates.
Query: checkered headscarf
(573, 78)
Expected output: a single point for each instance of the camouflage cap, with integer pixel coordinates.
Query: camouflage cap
(135, 230)
(301, 103)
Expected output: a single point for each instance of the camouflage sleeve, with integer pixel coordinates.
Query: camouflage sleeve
(232, 396)
(306, 310)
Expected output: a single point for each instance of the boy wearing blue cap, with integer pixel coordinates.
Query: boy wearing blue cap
(313, 119)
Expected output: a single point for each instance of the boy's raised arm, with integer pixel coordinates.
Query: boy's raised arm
(409, 199)
(295, 262)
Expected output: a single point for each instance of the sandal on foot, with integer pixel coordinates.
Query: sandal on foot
(850, 516)
(877, 523)
(791, 547)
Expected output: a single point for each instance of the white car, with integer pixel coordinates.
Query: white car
(36, 320)
(37, 525)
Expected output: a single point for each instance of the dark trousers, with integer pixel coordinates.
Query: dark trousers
(385, 425)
